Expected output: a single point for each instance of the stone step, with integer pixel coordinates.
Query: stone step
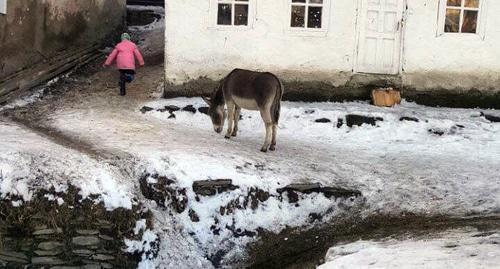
(213, 187)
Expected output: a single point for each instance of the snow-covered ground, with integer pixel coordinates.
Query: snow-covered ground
(29, 162)
(451, 249)
(399, 166)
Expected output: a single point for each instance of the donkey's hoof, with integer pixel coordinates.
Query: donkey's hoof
(234, 134)
(263, 149)
(272, 148)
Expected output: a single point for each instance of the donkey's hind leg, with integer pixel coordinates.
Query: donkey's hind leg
(266, 116)
(273, 140)
(236, 120)
(231, 107)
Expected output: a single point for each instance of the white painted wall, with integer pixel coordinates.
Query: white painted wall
(195, 48)
(451, 60)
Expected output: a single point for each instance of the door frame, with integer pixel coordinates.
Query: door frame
(357, 28)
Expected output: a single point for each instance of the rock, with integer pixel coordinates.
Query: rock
(102, 257)
(203, 109)
(106, 265)
(193, 216)
(91, 266)
(308, 188)
(47, 231)
(213, 187)
(11, 256)
(85, 240)
(66, 267)
(490, 117)
(54, 252)
(323, 120)
(145, 109)
(106, 238)
(359, 120)
(409, 119)
(172, 108)
(340, 122)
(437, 132)
(189, 108)
(172, 115)
(169, 108)
(87, 232)
(309, 111)
(46, 261)
(162, 191)
(14, 254)
(83, 252)
(50, 245)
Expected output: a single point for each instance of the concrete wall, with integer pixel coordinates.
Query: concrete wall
(36, 30)
(451, 61)
(322, 63)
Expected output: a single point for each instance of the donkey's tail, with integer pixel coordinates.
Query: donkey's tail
(276, 106)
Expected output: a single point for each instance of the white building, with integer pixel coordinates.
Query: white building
(338, 47)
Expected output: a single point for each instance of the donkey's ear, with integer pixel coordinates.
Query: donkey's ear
(207, 100)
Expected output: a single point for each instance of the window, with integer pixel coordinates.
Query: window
(462, 16)
(232, 12)
(306, 14)
(3, 6)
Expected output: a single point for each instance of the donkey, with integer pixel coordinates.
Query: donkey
(249, 90)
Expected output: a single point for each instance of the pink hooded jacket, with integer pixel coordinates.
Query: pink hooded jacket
(124, 54)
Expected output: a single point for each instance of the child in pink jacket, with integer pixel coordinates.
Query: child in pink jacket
(125, 53)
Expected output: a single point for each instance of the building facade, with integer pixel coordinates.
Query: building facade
(339, 49)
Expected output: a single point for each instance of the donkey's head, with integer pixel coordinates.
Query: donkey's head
(216, 111)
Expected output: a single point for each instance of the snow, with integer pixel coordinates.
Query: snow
(29, 162)
(398, 165)
(466, 248)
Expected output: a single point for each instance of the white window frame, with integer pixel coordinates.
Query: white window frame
(213, 15)
(3, 6)
(304, 31)
(481, 19)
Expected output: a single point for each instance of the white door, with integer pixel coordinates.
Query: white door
(379, 37)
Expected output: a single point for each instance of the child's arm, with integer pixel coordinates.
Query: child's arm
(139, 57)
(111, 57)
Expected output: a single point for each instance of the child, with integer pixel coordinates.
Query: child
(124, 54)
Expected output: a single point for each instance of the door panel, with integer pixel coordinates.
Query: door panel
(379, 36)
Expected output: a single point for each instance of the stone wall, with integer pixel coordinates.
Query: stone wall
(36, 32)
(76, 233)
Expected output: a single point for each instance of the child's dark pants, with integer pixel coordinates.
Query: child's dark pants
(126, 76)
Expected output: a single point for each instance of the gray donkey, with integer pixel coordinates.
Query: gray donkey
(249, 90)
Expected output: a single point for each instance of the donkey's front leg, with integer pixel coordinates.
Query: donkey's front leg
(236, 120)
(230, 119)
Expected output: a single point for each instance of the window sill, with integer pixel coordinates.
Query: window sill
(311, 32)
(467, 36)
(230, 27)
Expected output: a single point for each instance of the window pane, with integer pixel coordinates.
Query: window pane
(224, 14)
(452, 21)
(298, 16)
(454, 3)
(314, 17)
(316, 1)
(240, 14)
(470, 22)
(472, 3)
